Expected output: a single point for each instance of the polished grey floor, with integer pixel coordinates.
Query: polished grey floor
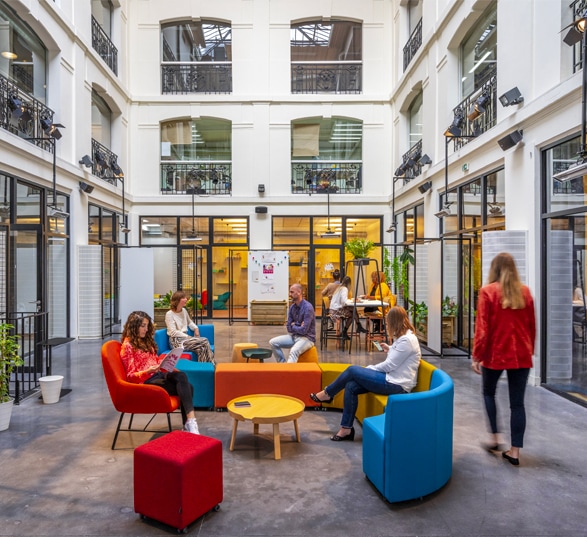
(60, 477)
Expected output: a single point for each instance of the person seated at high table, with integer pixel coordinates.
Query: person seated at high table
(301, 328)
(398, 373)
(379, 291)
(178, 320)
(141, 363)
(338, 308)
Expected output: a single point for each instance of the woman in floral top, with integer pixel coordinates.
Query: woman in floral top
(141, 362)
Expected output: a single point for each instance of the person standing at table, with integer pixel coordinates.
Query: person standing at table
(301, 328)
(505, 332)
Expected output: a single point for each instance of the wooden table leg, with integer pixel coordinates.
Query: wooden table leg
(297, 429)
(232, 438)
(276, 441)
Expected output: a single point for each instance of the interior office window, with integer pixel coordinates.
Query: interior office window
(479, 52)
(102, 12)
(196, 154)
(326, 56)
(101, 120)
(196, 57)
(327, 152)
(23, 57)
(416, 124)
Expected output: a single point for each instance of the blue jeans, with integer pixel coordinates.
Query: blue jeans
(298, 345)
(356, 380)
(517, 380)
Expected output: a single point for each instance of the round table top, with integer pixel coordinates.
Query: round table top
(266, 408)
(257, 353)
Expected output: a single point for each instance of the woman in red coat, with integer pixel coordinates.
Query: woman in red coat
(505, 332)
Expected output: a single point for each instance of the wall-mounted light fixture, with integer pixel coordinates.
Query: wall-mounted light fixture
(50, 128)
(479, 106)
(424, 159)
(509, 141)
(511, 97)
(84, 187)
(455, 128)
(87, 161)
(261, 189)
(425, 187)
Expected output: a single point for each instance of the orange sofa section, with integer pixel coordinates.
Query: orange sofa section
(296, 380)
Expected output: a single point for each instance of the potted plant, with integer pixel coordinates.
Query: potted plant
(10, 359)
(359, 248)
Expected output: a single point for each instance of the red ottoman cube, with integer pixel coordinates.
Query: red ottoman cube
(178, 478)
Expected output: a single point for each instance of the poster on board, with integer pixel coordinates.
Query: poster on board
(268, 275)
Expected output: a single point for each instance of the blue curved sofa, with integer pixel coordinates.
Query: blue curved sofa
(407, 450)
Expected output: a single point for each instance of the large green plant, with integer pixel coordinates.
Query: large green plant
(10, 359)
(359, 248)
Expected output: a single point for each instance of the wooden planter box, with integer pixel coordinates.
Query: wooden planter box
(448, 330)
(268, 312)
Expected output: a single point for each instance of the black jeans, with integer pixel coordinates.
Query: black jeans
(176, 383)
(517, 380)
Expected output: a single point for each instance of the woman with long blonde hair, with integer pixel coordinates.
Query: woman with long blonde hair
(398, 373)
(505, 331)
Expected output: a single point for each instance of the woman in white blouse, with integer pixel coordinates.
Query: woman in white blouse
(178, 320)
(398, 373)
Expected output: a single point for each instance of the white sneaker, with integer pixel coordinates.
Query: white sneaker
(191, 426)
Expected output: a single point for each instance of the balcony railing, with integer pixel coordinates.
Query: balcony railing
(413, 44)
(21, 113)
(317, 176)
(326, 77)
(196, 77)
(486, 120)
(210, 178)
(102, 44)
(105, 162)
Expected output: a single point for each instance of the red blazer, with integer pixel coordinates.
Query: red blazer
(504, 338)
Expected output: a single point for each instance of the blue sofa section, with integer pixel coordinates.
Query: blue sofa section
(162, 339)
(201, 377)
(407, 450)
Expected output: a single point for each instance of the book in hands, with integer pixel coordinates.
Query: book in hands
(171, 358)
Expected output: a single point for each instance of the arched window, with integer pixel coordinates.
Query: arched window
(196, 57)
(326, 153)
(196, 154)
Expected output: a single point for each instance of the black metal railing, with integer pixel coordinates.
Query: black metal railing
(413, 44)
(102, 44)
(21, 114)
(196, 77)
(318, 177)
(326, 77)
(209, 178)
(31, 329)
(475, 126)
(105, 162)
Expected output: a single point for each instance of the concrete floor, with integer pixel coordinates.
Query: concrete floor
(60, 477)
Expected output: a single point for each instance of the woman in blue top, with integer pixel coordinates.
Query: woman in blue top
(397, 374)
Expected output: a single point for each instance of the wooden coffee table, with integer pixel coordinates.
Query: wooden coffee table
(266, 408)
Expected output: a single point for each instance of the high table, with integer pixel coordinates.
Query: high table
(266, 408)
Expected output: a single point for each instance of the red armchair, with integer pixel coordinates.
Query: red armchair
(129, 398)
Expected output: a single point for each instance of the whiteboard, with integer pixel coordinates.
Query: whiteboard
(268, 275)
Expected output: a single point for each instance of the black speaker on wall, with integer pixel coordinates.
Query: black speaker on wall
(509, 141)
(260, 209)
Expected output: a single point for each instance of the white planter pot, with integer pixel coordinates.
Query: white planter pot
(5, 413)
(51, 388)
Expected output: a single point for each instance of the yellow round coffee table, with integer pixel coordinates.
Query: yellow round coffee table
(266, 408)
